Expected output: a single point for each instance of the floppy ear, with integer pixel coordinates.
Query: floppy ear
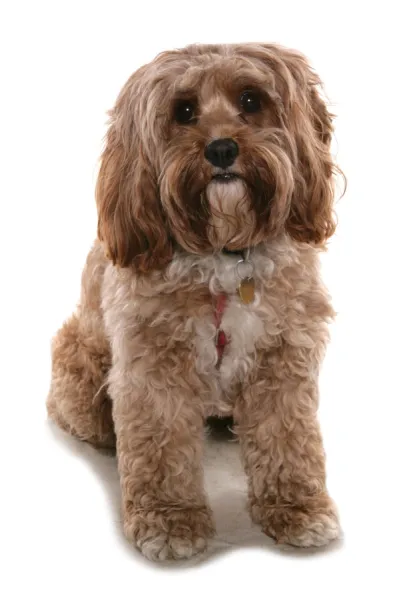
(130, 218)
(311, 217)
(309, 125)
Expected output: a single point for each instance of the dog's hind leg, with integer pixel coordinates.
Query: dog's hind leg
(78, 400)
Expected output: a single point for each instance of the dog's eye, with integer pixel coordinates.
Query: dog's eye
(250, 102)
(184, 111)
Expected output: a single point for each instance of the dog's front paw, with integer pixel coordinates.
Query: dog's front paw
(312, 524)
(169, 533)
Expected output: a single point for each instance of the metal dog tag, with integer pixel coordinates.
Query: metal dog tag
(246, 290)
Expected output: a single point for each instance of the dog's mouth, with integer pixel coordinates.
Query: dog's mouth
(225, 177)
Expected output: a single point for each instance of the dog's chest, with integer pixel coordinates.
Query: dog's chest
(242, 326)
(238, 326)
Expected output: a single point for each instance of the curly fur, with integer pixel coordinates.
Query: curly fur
(137, 364)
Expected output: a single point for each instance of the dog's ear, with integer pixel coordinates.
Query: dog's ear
(311, 217)
(131, 222)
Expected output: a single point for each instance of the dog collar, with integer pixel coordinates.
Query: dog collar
(228, 252)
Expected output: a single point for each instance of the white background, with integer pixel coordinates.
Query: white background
(62, 65)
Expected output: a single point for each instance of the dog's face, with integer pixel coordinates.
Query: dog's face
(215, 147)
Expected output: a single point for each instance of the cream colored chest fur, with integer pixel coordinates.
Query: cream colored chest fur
(243, 326)
(287, 288)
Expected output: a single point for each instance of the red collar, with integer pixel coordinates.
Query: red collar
(221, 340)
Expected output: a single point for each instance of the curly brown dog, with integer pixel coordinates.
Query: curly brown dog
(203, 296)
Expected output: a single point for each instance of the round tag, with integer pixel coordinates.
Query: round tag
(244, 269)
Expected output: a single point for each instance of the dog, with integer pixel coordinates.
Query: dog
(202, 295)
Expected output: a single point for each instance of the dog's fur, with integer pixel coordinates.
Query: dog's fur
(137, 365)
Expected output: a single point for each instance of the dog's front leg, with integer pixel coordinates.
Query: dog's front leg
(282, 448)
(159, 428)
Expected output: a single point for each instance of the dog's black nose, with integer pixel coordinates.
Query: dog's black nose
(221, 153)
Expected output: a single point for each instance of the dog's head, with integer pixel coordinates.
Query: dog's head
(215, 147)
